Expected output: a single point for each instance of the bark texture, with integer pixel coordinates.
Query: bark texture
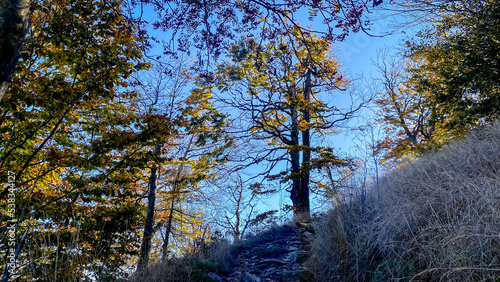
(14, 18)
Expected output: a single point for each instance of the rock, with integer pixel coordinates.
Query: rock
(303, 224)
(297, 275)
(308, 236)
(281, 241)
(295, 243)
(270, 251)
(274, 256)
(270, 271)
(247, 277)
(214, 277)
(299, 256)
(264, 263)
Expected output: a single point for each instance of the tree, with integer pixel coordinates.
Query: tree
(207, 27)
(234, 204)
(277, 88)
(204, 148)
(179, 161)
(409, 115)
(235, 221)
(368, 155)
(458, 63)
(66, 136)
(14, 17)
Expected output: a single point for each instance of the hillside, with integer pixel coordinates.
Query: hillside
(435, 219)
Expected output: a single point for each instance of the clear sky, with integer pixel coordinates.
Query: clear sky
(359, 49)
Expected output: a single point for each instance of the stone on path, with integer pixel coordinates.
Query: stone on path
(247, 277)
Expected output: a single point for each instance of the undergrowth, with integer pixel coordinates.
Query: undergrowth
(436, 219)
(215, 256)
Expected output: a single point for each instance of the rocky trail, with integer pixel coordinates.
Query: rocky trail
(279, 254)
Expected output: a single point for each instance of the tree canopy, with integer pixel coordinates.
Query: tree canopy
(459, 63)
(447, 82)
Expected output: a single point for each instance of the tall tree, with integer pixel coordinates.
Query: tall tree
(65, 126)
(180, 160)
(277, 87)
(409, 114)
(235, 205)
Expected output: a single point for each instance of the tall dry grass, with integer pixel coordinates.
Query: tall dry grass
(436, 219)
(214, 256)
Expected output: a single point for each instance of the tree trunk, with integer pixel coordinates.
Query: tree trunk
(306, 153)
(168, 230)
(148, 228)
(295, 194)
(175, 189)
(237, 231)
(14, 18)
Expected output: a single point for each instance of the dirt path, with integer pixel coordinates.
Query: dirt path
(275, 255)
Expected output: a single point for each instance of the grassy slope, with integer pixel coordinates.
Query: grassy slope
(437, 218)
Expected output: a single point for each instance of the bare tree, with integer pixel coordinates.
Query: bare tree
(408, 114)
(234, 204)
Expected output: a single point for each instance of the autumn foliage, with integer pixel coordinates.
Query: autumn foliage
(122, 121)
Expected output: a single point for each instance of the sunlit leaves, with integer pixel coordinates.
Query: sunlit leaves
(207, 27)
(449, 83)
(273, 75)
(459, 57)
(64, 112)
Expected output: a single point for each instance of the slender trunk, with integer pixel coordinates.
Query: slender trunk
(377, 187)
(168, 230)
(306, 153)
(295, 194)
(237, 230)
(176, 187)
(14, 18)
(377, 180)
(148, 228)
(363, 189)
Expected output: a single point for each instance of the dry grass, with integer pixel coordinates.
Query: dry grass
(438, 219)
(331, 251)
(211, 257)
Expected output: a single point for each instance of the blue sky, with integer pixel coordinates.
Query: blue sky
(356, 55)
